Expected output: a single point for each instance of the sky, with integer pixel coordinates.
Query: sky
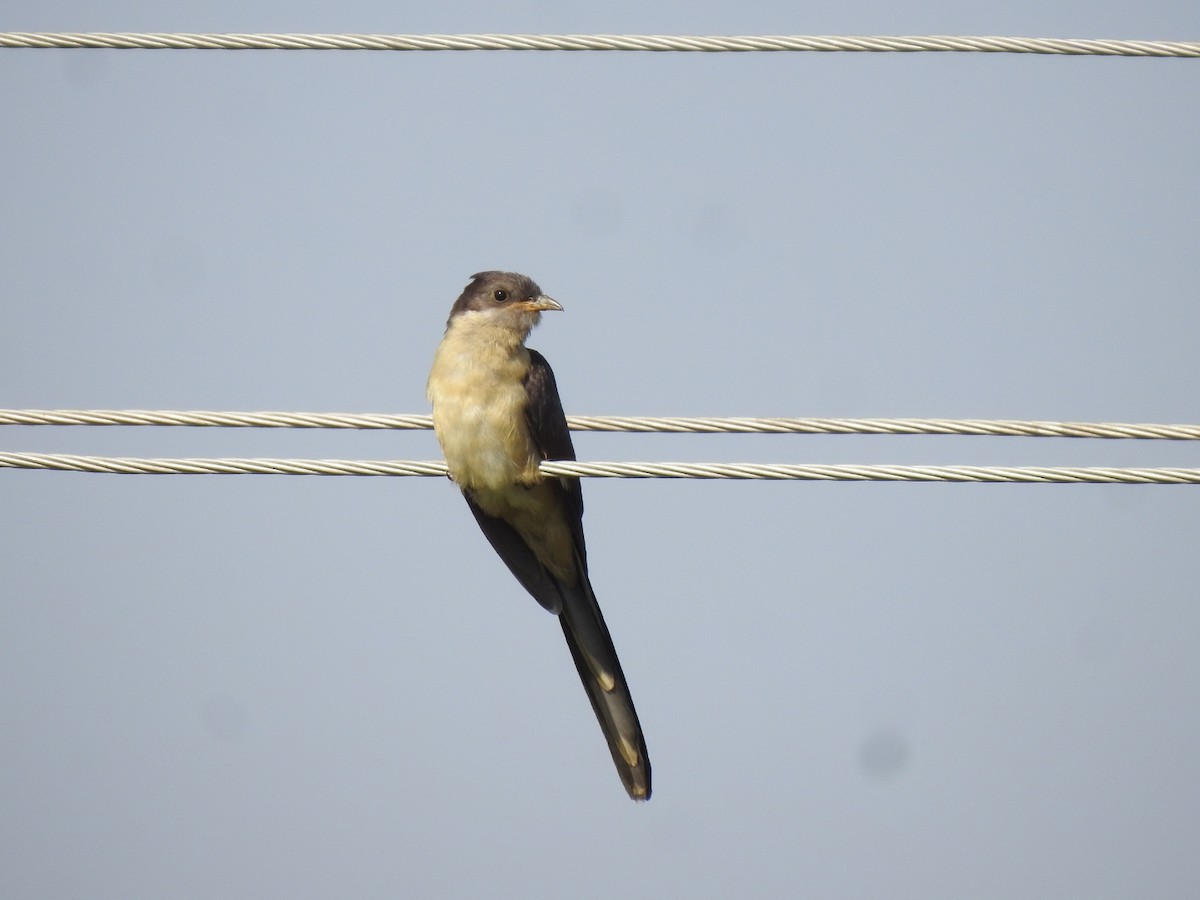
(315, 687)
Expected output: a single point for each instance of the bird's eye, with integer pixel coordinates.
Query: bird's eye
(500, 295)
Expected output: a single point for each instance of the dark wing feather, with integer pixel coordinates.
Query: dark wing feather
(544, 414)
(548, 427)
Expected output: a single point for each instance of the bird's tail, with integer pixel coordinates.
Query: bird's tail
(600, 670)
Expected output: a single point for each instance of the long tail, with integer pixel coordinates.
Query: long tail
(600, 671)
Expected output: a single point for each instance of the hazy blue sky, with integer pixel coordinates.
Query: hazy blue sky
(317, 687)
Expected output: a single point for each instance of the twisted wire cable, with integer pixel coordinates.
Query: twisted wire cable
(604, 42)
(744, 471)
(639, 424)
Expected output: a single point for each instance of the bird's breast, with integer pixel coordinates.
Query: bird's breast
(478, 394)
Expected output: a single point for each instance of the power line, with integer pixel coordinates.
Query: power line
(744, 471)
(640, 424)
(603, 42)
(676, 424)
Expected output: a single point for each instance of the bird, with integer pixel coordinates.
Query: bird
(497, 415)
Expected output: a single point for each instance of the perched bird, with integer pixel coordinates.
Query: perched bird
(497, 415)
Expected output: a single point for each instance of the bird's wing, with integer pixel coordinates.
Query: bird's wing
(548, 429)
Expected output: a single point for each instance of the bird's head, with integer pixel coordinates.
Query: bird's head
(506, 299)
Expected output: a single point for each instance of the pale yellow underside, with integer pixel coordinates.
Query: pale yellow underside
(478, 396)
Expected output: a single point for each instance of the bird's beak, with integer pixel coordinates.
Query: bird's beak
(545, 304)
